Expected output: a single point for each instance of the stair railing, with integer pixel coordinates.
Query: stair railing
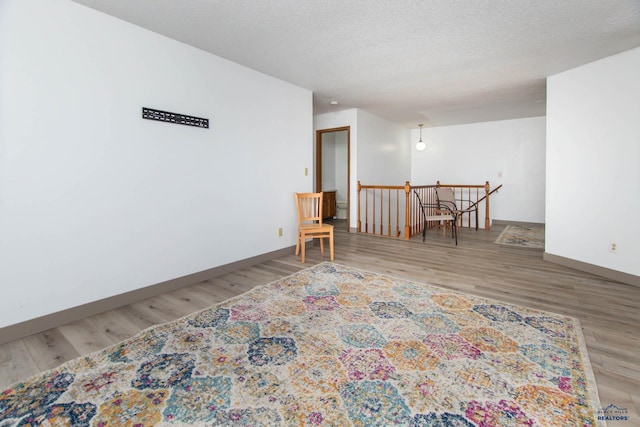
(379, 209)
(382, 209)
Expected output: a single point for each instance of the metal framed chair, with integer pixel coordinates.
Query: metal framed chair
(447, 202)
(441, 215)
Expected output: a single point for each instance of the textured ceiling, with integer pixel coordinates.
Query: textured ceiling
(437, 62)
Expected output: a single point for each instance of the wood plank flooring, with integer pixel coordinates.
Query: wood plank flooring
(609, 311)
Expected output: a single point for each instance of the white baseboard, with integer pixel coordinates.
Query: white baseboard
(593, 269)
(53, 320)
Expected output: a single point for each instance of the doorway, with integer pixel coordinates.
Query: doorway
(333, 171)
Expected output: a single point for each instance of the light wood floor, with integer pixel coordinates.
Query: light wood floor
(609, 311)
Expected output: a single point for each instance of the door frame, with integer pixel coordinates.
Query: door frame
(318, 188)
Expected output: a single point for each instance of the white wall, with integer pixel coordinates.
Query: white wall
(380, 150)
(479, 152)
(593, 163)
(384, 151)
(95, 201)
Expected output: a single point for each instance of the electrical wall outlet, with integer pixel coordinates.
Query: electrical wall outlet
(280, 232)
(306, 171)
(613, 247)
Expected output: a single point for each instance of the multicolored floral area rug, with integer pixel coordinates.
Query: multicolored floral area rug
(524, 236)
(328, 346)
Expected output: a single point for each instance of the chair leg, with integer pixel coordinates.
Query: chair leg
(331, 245)
(455, 232)
(321, 245)
(303, 246)
(298, 244)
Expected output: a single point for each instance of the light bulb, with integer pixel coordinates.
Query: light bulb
(420, 146)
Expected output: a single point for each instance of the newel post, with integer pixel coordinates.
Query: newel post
(407, 211)
(359, 221)
(487, 220)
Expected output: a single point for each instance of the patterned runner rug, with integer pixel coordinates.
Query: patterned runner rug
(328, 346)
(524, 236)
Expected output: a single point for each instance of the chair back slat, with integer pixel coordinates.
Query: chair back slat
(309, 207)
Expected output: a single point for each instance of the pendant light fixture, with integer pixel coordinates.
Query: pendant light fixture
(420, 146)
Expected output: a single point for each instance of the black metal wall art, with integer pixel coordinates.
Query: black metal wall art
(181, 119)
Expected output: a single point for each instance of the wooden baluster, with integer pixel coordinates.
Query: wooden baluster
(468, 205)
(415, 224)
(359, 212)
(477, 208)
(388, 212)
(407, 211)
(366, 214)
(381, 215)
(373, 221)
(397, 214)
(381, 212)
(416, 214)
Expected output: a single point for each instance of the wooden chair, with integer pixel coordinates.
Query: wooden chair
(310, 224)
